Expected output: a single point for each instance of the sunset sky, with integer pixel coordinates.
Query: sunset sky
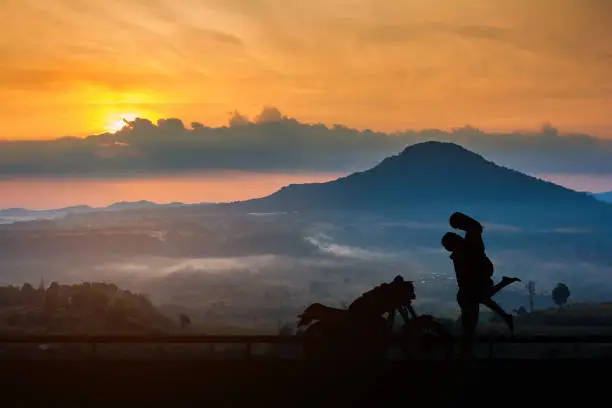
(79, 67)
(76, 67)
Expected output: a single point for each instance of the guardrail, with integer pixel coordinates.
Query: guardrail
(248, 341)
(543, 339)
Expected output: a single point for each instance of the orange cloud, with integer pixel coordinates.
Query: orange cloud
(500, 64)
(274, 142)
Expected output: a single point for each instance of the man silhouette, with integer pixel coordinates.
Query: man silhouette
(368, 332)
(385, 298)
(370, 306)
(474, 271)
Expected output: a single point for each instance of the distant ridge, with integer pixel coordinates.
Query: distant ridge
(123, 205)
(432, 179)
(22, 214)
(425, 181)
(605, 197)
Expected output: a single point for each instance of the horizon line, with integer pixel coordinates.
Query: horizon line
(256, 121)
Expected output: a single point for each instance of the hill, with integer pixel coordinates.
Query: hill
(605, 197)
(86, 308)
(10, 215)
(432, 179)
(583, 318)
(572, 315)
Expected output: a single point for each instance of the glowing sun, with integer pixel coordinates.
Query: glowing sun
(118, 122)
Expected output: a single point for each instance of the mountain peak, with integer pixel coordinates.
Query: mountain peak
(131, 204)
(434, 146)
(438, 178)
(435, 161)
(440, 150)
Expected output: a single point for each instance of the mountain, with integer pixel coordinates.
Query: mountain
(24, 212)
(431, 180)
(10, 215)
(126, 205)
(605, 197)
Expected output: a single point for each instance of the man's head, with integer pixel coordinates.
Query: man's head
(398, 280)
(403, 290)
(452, 241)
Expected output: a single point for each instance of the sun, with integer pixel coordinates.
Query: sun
(117, 122)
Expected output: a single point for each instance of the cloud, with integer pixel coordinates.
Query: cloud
(416, 63)
(273, 141)
(269, 115)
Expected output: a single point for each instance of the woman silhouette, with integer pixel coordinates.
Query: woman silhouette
(474, 272)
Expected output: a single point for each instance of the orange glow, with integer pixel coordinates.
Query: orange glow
(116, 125)
(494, 64)
(195, 188)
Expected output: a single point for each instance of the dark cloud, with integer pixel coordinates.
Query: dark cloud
(275, 142)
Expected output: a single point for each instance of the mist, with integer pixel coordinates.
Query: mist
(328, 262)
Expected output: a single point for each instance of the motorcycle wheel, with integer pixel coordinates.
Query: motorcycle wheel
(319, 342)
(376, 341)
(424, 337)
(324, 342)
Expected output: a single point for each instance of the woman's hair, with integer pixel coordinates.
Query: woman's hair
(452, 241)
(459, 220)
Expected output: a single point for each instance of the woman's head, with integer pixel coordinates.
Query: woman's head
(455, 219)
(452, 241)
(459, 220)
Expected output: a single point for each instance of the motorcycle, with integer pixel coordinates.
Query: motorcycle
(335, 333)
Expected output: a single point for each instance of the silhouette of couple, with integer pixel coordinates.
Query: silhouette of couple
(363, 321)
(474, 272)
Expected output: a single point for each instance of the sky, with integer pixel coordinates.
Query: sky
(45, 193)
(76, 67)
(279, 91)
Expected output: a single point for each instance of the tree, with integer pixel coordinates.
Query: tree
(531, 288)
(184, 320)
(560, 294)
(28, 293)
(520, 311)
(52, 298)
(9, 295)
(119, 312)
(98, 302)
(285, 329)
